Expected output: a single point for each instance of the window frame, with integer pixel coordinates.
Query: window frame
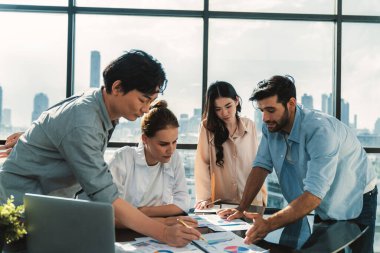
(71, 10)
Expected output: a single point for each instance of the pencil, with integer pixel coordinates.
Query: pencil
(213, 202)
(183, 223)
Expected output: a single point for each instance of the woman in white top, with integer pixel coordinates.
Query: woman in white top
(151, 176)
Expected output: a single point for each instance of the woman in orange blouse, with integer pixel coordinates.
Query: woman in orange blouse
(227, 147)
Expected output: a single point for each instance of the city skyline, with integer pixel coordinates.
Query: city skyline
(307, 56)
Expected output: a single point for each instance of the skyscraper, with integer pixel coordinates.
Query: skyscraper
(41, 103)
(325, 103)
(327, 107)
(345, 112)
(307, 101)
(6, 117)
(95, 69)
(377, 127)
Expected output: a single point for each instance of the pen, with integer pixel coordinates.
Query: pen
(183, 223)
(213, 202)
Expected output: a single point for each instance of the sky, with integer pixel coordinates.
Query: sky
(242, 52)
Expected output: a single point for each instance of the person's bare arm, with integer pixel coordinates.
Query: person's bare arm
(128, 216)
(161, 211)
(297, 209)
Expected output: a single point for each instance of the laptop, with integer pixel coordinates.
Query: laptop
(64, 225)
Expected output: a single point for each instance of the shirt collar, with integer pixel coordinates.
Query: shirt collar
(242, 129)
(296, 129)
(108, 124)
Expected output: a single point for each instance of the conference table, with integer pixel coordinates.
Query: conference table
(326, 237)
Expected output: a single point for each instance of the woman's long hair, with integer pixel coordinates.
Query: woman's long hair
(213, 123)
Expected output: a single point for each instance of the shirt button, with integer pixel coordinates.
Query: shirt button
(282, 155)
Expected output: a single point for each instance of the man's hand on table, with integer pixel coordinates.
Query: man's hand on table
(260, 228)
(230, 214)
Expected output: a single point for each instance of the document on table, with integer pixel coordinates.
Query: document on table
(226, 242)
(215, 243)
(213, 209)
(149, 245)
(216, 223)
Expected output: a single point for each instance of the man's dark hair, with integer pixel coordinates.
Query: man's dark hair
(136, 70)
(282, 86)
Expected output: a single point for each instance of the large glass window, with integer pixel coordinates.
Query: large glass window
(175, 42)
(36, 2)
(33, 56)
(244, 52)
(279, 6)
(363, 7)
(360, 80)
(145, 4)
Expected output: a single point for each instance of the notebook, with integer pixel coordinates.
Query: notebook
(67, 225)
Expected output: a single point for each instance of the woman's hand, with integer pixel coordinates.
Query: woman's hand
(204, 204)
(11, 141)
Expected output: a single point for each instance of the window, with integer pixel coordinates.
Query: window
(145, 4)
(244, 52)
(32, 67)
(360, 80)
(363, 7)
(175, 42)
(278, 6)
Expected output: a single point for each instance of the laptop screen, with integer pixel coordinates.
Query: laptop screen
(67, 225)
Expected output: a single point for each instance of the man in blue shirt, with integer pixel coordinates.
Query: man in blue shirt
(66, 145)
(318, 160)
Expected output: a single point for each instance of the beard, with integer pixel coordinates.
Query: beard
(276, 126)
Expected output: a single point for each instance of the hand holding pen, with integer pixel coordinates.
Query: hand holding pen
(186, 225)
(206, 204)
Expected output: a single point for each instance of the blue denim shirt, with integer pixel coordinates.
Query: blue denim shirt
(63, 147)
(325, 158)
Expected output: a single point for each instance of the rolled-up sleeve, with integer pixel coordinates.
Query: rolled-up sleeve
(82, 150)
(181, 197)
(323, 148)
(202, 167)
(263, 158)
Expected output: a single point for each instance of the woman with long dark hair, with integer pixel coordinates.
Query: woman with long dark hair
(227, 146)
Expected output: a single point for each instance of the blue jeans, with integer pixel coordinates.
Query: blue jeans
(367, 217)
